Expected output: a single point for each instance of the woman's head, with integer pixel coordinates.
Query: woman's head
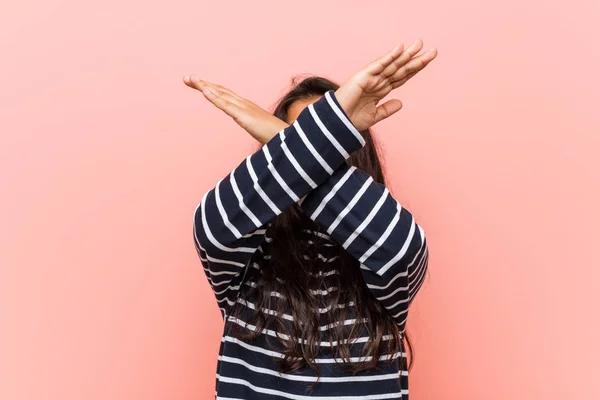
(311, 89)
(289, 272)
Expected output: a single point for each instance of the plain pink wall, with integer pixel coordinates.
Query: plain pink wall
(104, 154)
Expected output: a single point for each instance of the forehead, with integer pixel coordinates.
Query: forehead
(296, 107)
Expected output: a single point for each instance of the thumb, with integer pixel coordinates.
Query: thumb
(387, 109)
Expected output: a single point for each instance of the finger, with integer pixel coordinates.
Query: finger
(194, 82)
(226, 94)
(403, 58)
(377, 66)
(414, 65)
(225, 90)
(402, 81)
(222, 103)
(387, 109)
(216, 97)
(199, 84)
(188, 81)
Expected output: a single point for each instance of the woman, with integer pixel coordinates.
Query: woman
(312, 261)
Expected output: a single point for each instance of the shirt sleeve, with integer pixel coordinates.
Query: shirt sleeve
(229, 223)
(363, 217)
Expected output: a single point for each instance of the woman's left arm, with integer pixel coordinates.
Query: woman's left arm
(363, 217)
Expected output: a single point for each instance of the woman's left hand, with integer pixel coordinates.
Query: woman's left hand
(360, 95)
(258, 122)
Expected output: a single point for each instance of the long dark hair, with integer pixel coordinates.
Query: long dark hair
(290, 273)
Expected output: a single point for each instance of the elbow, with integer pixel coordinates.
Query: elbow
(198, 228)
(417, 270)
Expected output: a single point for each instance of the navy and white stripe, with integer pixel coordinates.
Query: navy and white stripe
(306, 164)
(374, 228)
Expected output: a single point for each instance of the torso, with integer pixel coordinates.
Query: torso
(249, 370)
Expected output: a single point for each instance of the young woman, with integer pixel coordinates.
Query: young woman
(313, 262)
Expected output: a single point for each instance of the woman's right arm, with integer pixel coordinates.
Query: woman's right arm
(229, 221)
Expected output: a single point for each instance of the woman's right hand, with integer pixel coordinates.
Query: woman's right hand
(258, 122)
(361, 93)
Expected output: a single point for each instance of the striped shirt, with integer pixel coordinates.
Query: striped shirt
(306, 163)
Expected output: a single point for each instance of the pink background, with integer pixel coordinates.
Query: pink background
(104, 154)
